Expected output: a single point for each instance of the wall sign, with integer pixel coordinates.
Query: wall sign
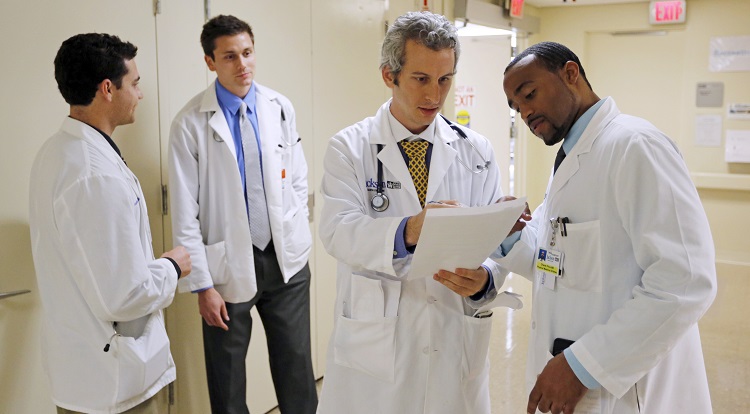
(730, 54)
(667, 12)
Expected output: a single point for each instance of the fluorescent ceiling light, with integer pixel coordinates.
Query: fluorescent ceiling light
(471, 29)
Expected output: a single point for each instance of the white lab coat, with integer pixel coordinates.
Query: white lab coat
(209, 216)
(400, 346)
(94, 262)
(638, 265)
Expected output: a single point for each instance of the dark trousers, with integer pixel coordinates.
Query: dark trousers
(285, 312)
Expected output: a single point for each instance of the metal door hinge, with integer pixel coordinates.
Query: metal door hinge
(310, 206)
(157, 7)
(164, 200)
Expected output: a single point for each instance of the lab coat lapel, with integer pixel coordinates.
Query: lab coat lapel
(443, 156)
(570, 166)
(393, 161)
(217, 122)
(269, 128)
(269, 121)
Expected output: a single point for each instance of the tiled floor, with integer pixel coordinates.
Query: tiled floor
(725, 333)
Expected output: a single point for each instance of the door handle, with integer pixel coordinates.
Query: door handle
(4, 295)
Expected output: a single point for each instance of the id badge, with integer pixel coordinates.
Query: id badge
(549, 264)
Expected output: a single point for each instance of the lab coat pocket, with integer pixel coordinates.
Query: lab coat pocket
(142, 360)
(216, 256)
(582, 264)
(476, 332)
(368, 346)
(366, 339)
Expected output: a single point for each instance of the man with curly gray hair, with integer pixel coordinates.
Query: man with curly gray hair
(406, 342)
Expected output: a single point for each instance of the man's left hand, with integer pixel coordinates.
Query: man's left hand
(557, 389)
(465, 282)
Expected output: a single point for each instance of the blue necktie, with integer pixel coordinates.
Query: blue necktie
(260, 227)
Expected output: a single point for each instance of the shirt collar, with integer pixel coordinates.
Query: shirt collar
(232, 102)
(400, 132)
(579, 126)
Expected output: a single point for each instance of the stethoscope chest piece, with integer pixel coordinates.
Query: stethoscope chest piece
(379, 202)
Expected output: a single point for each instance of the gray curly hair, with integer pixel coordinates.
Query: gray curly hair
(431, 30)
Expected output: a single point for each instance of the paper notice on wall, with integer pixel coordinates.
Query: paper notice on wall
(738, 111)
(729, 54)
(708, 130)
(737, 147)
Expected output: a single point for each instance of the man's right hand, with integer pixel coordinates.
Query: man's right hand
(181, 256)
(414, 223)
(212, 308)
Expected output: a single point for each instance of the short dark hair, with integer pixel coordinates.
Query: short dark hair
(85, 60)
(553, 55)
(222, 25)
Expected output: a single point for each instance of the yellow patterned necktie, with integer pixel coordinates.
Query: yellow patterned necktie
(417, 153)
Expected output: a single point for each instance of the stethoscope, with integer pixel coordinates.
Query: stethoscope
(379, 202)
(480, 167)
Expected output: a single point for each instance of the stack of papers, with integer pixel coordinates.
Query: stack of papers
(464, 237)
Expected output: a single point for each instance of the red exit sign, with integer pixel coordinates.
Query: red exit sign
(516, 9)
(667, 12)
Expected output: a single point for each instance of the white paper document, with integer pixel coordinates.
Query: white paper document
(464, 237)
(736, 148)
(708, 130)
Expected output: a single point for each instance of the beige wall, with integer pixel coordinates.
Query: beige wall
(674, 100)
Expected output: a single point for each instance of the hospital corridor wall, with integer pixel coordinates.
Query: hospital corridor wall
(334, 84)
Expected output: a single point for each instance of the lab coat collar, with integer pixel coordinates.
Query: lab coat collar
(383, 133)
(400, 133)
(92, 136)
(233, 102)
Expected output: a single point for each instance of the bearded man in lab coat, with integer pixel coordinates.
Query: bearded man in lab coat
(406, 345)
(105, 346)
(623, 221)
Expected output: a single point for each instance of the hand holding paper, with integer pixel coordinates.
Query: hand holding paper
(453, 238)
(465, 282)
(414, 224)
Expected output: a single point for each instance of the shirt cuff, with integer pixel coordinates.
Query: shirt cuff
(201, 290)
(490, 285)
(176, 267)
(509, 242)
(578, 369)
(399, 241)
